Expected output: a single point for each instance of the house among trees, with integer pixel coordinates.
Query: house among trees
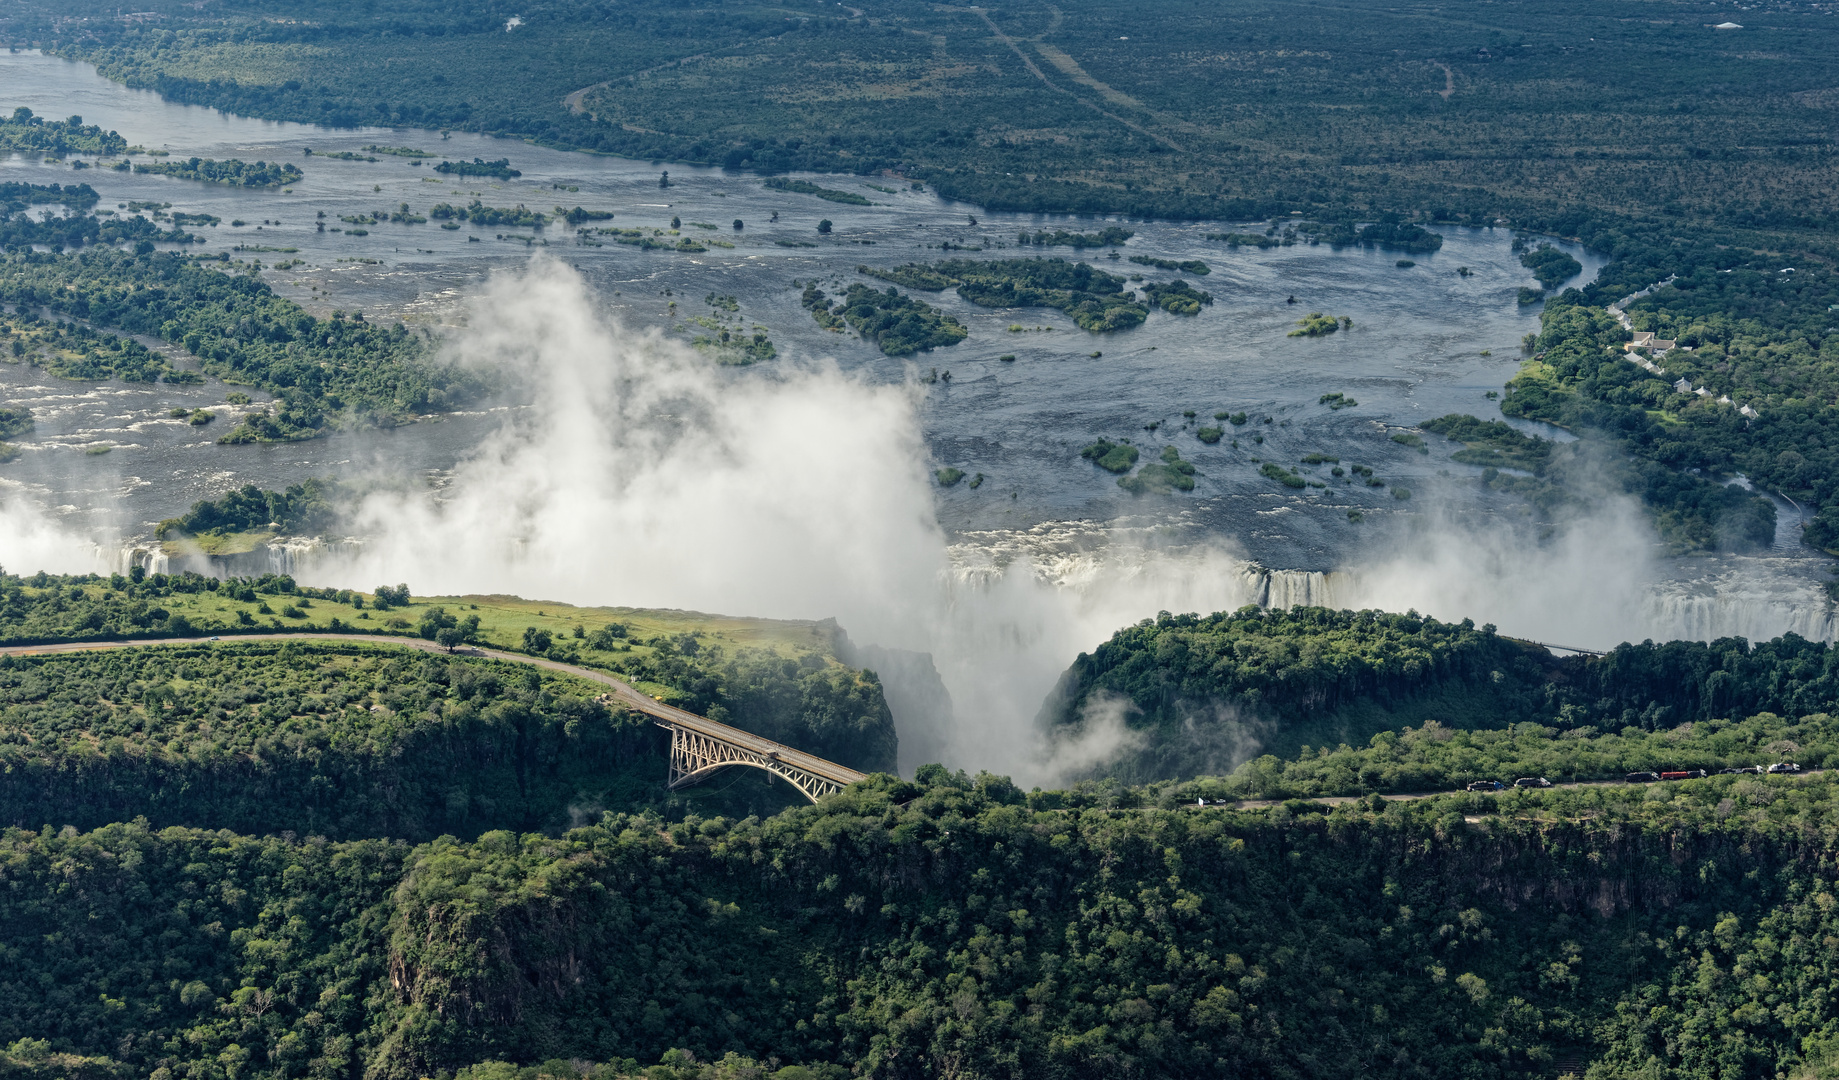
(1646, 340)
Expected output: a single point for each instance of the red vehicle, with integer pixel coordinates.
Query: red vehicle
(1684, 774)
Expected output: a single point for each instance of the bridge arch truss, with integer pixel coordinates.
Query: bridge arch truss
(695, 756)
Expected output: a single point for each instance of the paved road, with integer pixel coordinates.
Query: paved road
(619, 690)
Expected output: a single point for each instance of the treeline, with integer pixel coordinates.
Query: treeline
(16, 197)
(34, 134)
(326, 372)
(1527, 130)
(906, 929)
(1435, 757)
(1109, 236)
(1200, 690)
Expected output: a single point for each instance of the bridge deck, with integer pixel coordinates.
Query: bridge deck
(671, 716)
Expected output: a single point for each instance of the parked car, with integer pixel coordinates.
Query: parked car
(1785, 767)
(1642, 778)
(1486, 785)
(1532, 781)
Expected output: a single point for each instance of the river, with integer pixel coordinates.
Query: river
(1425, 341)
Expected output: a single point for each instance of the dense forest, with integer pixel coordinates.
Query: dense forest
(952, 925)
(1208, 692)
(345, 741)
(313, 858)
(1171, 111)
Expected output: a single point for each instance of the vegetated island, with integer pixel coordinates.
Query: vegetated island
(75, 351)
(1110, 456)
(731, 344)
(1550, 265)
(644, 239)
(806, 187)
(1176, 297)
(15, 420)
(1316, 324)
(77, 226)
(1260, 241)
(243, 519)
(1109, 236)
(400, 151)
(23, 132)
(1385, 235)
(1095, 300)
(899, 325)
(578, 216)
(328, 373)
(499, 169)
(232, 172)
(1189, 266)
(1161, 477)
(518, 217)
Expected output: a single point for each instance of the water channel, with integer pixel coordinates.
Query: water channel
(1425, 341)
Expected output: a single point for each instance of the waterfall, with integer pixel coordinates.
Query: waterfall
(1756, 598)
(1284, 589)
(295, 556)
(1129, 574)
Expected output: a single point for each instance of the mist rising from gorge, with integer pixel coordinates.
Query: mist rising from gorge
(645, 476)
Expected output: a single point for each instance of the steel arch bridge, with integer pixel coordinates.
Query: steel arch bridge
(700, 747)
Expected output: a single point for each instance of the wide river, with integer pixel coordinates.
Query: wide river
(1425, 341)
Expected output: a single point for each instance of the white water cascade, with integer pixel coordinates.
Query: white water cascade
(297, 556)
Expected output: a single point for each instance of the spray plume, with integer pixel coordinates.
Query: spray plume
(643, 475)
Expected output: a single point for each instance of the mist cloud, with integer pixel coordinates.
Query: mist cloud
(643, 475)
